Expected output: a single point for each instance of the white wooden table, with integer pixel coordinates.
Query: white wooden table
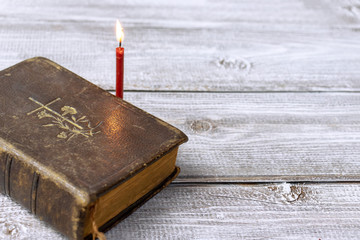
(266, 90)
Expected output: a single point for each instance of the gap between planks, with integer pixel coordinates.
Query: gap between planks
(249, 183)
(112, 91)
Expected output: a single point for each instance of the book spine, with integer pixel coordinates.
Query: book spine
(41, 195)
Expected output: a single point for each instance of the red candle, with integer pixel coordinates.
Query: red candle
(119, 62)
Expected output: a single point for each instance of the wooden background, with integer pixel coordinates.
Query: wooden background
(266, 90)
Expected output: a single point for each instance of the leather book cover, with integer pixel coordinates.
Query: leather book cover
(64, 142)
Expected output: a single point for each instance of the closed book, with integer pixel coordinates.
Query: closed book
(76, 156)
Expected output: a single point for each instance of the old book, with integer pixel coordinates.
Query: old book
(76, 156)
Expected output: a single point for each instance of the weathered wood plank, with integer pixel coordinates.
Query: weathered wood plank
(328, 211)
(281, 211)
(193, 45)
(262, 136)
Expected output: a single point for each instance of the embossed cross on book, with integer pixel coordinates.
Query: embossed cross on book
(62, 122)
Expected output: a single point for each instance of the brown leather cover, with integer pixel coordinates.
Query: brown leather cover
(64, 142)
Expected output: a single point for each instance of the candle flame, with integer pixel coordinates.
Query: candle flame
(119, 32)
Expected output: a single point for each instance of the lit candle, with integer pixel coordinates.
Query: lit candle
(119, 61)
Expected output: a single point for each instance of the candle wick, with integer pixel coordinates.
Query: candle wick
(119, 44)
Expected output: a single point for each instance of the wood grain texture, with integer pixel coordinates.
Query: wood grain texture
(274, 211)
(219, 46)
(262, 136)
(193, 45)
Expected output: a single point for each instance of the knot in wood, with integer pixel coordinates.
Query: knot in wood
(291, 193)
(200, 126)
(231, 63)
(12, 229)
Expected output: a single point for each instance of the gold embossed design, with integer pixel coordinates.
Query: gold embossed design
(67, 120)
